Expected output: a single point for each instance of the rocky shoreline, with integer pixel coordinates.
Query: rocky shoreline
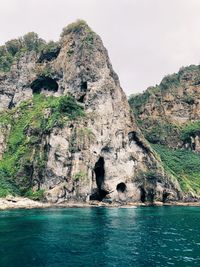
(11, 202)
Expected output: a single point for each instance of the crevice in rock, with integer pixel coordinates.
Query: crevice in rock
(11, 104)
(133, 136)
(99, 193)
(142, 195)
(84, 86)
(45, 83)
(81, 99)
(99, 172)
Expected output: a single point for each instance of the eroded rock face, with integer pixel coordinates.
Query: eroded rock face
(167, 109)
(103, 155)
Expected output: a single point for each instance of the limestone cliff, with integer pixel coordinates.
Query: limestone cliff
(67, 128)
(169, 117)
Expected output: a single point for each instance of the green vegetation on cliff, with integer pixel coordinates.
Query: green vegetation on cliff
(159, 131)
(169, 83)
(15, 48)
(7, 185)
(35, 195)
(183, 164)
(136, 101)
(28, 123)
(76, 27)
(191, 129)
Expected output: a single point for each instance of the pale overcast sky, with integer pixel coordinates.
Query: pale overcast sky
(146, 39)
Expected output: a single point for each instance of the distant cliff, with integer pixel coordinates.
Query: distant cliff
(66, 129)
(169, 117)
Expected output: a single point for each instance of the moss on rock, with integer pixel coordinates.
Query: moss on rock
(28, 124)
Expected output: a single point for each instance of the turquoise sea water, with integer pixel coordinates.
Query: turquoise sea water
(146, 236)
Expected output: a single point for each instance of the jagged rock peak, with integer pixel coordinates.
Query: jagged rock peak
(69, 66)
(98, 155)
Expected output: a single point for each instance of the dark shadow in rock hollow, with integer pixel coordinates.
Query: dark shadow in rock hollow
(100, 193)
(84, 86)
(121, 187)
(165, 196)
(142, 194)
(48, 56)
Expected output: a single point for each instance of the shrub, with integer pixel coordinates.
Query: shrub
(138, 100)
(190, 130)
(75, 27)
(170, 81)
(13, 46)
(35, 195)
(2, 50)
(6, 62)
(160, 132)
(190, 100)
(51, 46)
(69, 106)
(32, 42)
(7, 187)
(80, 176)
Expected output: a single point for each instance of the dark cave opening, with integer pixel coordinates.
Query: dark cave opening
(142, 194)
(99, 171)
(81, 99)
(121, 187)
(48, 56)
(151, 195)
(147, 195)
(84, 86)
(99, 195)
(165, 196)
(45, 83)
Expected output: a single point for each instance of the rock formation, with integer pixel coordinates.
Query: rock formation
(98, 154)
(167, 109)
(169, 117)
